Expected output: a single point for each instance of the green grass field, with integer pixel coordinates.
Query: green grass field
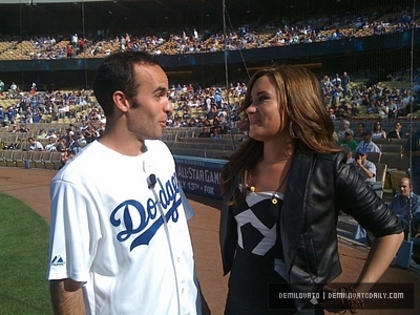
(24, 289)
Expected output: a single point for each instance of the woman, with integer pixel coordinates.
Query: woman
(377, 132)
(282, 192)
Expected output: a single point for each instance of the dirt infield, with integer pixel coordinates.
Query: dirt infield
(31, 186)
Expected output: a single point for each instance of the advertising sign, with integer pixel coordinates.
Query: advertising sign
(199, 176)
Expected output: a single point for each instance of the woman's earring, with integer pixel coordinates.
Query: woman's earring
(292, 132)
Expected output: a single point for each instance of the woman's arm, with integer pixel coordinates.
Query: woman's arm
(384, 134)
(382, 253)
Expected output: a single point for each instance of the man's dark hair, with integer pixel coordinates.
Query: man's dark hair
(117, 74)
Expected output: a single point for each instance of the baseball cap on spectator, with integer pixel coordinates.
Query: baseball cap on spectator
(366, 133)
(71, 133)
(52, 136)
(349, 132)
(361, 151)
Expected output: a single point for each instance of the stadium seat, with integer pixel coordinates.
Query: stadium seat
(390, 148)
(392, 159)
(374, 157)
(35, 159)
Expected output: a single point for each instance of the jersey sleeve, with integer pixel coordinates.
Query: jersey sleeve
(73, 235)
(189, 212)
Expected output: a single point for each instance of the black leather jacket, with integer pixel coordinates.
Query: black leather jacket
(319, 186)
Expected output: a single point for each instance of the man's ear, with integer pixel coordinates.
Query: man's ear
(121, 101)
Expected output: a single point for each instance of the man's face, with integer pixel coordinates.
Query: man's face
(149, 109)
(367, 138)
(405, 188)
(344, 126)
(362, 157)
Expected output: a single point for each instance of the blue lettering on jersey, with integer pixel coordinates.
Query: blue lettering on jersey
(169, 199)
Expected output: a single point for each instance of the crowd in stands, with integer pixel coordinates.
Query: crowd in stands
(213, 110)
(195, 106)
(278, 32)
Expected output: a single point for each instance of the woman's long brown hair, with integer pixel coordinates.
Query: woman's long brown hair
(301, 91)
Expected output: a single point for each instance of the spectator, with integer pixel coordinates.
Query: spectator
(412, 151)
(81, 140)
(205, 133)
(360, 130)
(366, 168)
(52, 144)
(14, 128)
(400, 205)
(23, 129)
(35, 145)
(42, 134)
(377, 132)
(348, 140)
(345, 83)
(1, 87)
(345, 125)
(396, 133)
(367, 144)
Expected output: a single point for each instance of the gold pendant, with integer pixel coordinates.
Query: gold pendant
(274, 201)
(252, 188)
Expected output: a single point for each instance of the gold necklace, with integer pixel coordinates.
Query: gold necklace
(274, 199)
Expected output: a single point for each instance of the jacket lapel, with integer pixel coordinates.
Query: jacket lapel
(293, 206)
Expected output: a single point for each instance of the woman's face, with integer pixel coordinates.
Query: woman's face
(265, 120)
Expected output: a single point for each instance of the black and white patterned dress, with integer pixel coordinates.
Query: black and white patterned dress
(258, 259)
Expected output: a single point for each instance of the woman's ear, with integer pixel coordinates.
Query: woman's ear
(121, 101)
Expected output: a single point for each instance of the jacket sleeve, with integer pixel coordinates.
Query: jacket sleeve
(356, 198)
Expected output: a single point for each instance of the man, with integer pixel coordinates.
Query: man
(396, 133)
(349, 140)
(360, 130)
(345, 83)
(1, 87)
(345, 125)
(367, 144)
(35, 145)
(52, 144)
(42, 134)
(119, 230)
(400, 205)
(412, 150)
(365, 167)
